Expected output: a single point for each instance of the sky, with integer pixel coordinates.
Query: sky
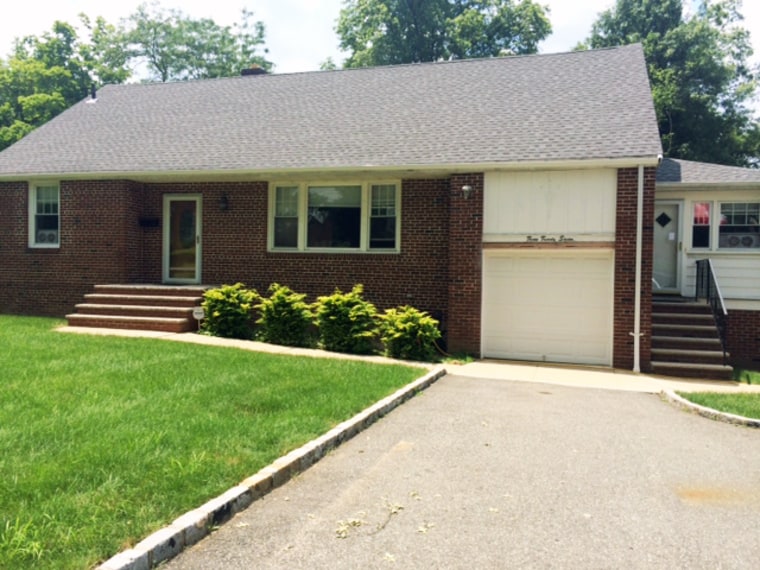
(300, 34)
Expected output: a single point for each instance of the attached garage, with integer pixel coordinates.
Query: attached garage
(548, 305)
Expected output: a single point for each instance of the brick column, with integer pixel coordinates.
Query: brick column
(625, 268)
(465, 263)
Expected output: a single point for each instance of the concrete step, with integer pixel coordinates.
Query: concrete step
(135, 310)
(172, 325)
(681, 307)
(683, 319)
(686, 343)
(152, 300)
(152, 290)
(681, 330)
(685, 370)
(688, 356)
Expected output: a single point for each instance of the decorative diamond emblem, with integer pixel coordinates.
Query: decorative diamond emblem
(663, 219)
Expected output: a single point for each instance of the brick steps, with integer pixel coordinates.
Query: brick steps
(685, 342)
(139, 307)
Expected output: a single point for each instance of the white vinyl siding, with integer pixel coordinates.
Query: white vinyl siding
(737, 268)
(579, 204)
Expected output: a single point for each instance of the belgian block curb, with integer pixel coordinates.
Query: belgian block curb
(703, 411)
(196, 524)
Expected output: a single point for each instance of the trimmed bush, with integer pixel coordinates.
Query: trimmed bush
(347, 323)
(229, 311)
(409, 334)
(285, 318)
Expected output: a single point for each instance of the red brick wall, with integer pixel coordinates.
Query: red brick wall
(465, 259)
(744, 338)
(98, 225)
(625, 268)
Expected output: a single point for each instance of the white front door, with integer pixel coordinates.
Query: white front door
(666, 276)
(182, 238)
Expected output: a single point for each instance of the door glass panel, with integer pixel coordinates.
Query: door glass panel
(183, 248)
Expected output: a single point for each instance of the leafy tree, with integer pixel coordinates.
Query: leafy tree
(383, 32)
(176, 47)
(698, 66)
(44, 75)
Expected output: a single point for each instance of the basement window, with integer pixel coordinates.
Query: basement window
(44, 215)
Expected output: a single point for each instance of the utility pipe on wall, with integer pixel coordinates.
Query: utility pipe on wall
(637, 293)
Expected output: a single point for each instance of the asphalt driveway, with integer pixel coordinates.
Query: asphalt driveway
(487, 473)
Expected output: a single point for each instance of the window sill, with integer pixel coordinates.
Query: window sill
(334, 250)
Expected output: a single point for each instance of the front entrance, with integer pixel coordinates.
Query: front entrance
(666, 277)
(182, 238)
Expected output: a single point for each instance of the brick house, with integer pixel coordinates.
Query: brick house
(512, 198)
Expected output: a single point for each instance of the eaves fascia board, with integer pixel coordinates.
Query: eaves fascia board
(398, 170)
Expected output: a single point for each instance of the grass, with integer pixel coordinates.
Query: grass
(106, 439)
(747, 376)
(747, 405)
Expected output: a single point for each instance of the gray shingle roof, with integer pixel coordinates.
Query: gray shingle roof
(557, 107)
(677, 171)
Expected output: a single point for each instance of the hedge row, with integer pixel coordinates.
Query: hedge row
(341, 322)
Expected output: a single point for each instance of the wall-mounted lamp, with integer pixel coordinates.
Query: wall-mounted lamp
(224, 203)
(466, 191)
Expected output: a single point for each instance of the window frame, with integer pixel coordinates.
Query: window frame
(716, 215)
(303, 216)
(34, 188)
(719, 215)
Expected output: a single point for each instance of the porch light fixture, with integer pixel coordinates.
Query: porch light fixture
(466, 191)
(224, 203)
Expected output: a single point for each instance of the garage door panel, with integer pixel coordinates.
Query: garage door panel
(548, 307)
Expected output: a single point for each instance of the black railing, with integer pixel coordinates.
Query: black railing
(708, 289)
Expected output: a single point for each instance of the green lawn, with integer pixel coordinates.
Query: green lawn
(107, 439)
(747, 405)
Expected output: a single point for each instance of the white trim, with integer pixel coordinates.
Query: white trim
(32, 230)
(167, 200)
(303, 209)
(681, 246)
(365, 170)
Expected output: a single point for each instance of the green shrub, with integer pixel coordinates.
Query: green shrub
(285, 318)
(347, 323)
(229, 311)
(409, 334)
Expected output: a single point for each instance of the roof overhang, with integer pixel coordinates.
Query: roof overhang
(395, 171)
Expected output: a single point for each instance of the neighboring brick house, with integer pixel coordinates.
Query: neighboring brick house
(513, 198)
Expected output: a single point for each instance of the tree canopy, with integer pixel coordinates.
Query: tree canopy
(176, 47)
(46, 74)
(383, 32)
(702, 83)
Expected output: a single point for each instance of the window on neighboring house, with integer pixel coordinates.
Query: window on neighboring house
(700, 228)
(44, 218)
(319, 217)
(739, 227)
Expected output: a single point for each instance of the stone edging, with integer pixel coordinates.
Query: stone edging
(196, 524)
(683, 403)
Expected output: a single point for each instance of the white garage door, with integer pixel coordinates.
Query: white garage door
(548, 306)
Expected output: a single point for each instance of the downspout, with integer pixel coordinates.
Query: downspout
(637, 293)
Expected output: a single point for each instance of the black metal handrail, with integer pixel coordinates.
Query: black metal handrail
(708, 289)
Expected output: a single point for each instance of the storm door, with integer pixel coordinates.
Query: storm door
(667, 248)
(182, 238)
